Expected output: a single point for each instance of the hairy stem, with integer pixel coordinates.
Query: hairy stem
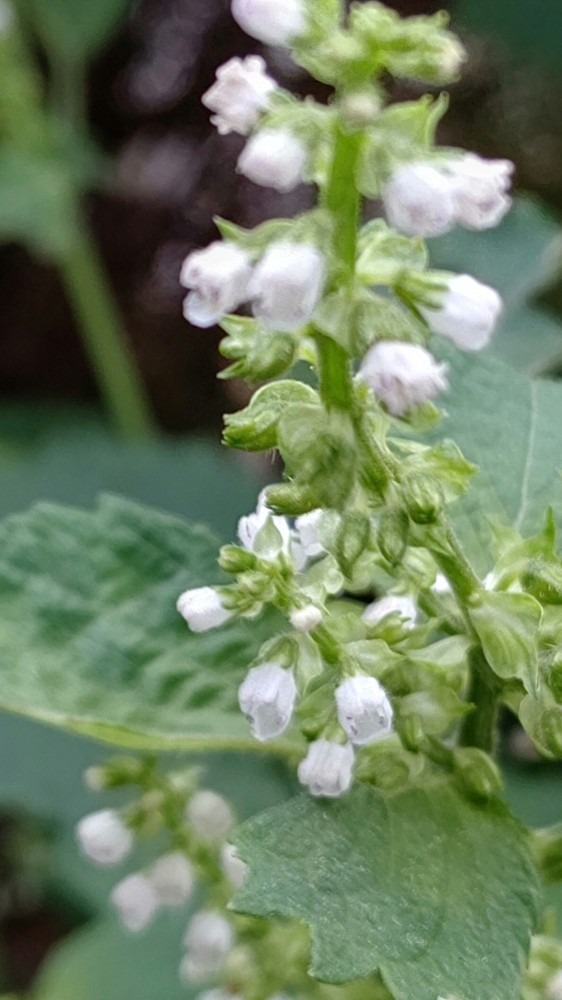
(479, 728)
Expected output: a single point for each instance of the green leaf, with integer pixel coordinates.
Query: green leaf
(75, 28)
(507, 626)
(510, 428)
(435, 892)
(36, 201)
(91, 640)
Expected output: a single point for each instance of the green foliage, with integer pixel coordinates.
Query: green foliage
(507, 626)
(529, 28)
(74, 29)
(437, 893)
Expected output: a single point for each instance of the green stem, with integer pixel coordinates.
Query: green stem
(101, 329)
(479, 728)
(68, 88)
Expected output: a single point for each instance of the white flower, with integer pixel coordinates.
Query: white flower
(104, 838)
(267, 698)
(242, 90)
(208, 940)
(202, 609)
(402, 375)
(233, 867)
(468, 313)
(364, 711)
(305, 619)
(418, 200)
(441, 585)
(274, 22)
(327, 768)
(308, 529)
(218, 278)
(286, 285)
(274, 158)
(405, 606)
(479, 189)
(172, 877)
(554, 987)
(210, 816)
(136, 902)
(250, 526)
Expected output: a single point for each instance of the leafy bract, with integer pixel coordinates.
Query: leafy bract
(90, 639)
(435, 892)
(510, 428)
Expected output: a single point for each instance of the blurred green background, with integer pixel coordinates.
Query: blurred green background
(109, 176)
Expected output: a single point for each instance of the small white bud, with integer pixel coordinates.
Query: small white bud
(364, 711)
(286, 285)
(479, 189)
(202, 609)
(251, 525)
(327, 769)
(218, 277)
(441, 585)
(274, 158)
(136, 902)
(172, 877)
(267, 698)
(402, 375)
(210, 816)
(95, 778)
(233, 867)
(208, 940)
(405, 606)
(554, 987)
(418, 200)
(241, 92)
(104, 838)
(272, 21)
(468, 313)
(305, 619)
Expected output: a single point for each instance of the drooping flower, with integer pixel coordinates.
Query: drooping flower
(402, 375)
(202, 609)
(327, 769)
(136, 902)
(210, 815)
(364, 711)
(241, 92)
(208, 940)
(274, 158)
(218, 279)
(104, 838)
(286, 285)
(467, 314)
(480, 190)
(251, 525)
(172, 877)
(418, 200)
(271, 21)
(305, 619)
(267, 698)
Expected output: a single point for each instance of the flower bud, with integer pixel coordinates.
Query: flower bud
(136, 902)
(273, 158)
(392, 534)
(267, 699)
(233, 867)
(418, 200)
(423, 498)
(402, 375)
(270, 21)
(286, 285)
(364, 711)
(305, 619)
(477, 772)
(104, 838)
(543, 580)
(241, 92)
(172, 877)
(208, 940)
(327, 769)
(392, 603)
(468, 313)
(210, 816)
(218, 277)
(290, 499)
(479, 189)
(352, 539)
(202, 609)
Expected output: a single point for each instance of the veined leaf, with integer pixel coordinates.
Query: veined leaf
(435, 892)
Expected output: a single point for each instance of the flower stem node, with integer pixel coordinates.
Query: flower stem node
(402, 375)
(467, 313)
(270, 21)
(327, 769)
(267, 698)
(103, 837)
(306, 619)
(173, 879)
(286, 285)
(202, 609)
(364, 711)
(136, 901)
(210, 816)
(241, 92)
(208, 940)
(391, 604)
(217, 278)
(274, 158)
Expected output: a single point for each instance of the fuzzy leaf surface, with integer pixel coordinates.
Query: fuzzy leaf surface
(90, 639)
(435, 892)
